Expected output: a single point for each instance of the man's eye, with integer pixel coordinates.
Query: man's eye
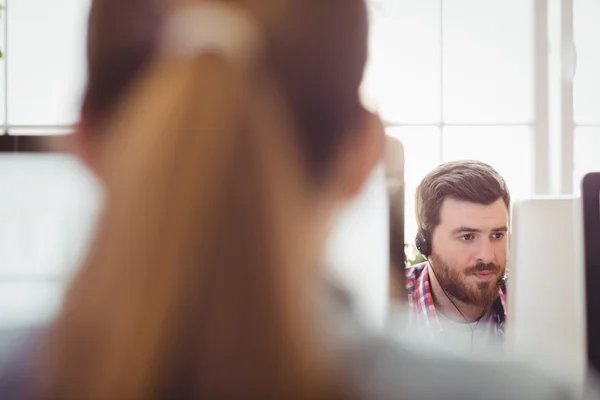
(498, 235)
(467, 237)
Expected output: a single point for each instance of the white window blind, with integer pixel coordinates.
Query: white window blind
(586, 90)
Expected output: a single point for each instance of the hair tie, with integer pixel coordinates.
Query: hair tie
(211, 26)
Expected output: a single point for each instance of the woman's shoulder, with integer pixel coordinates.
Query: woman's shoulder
(384, 367)
(17, 350)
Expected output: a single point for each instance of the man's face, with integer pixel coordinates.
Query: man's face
(470, 249)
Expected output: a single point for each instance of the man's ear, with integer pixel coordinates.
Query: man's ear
(361, 154)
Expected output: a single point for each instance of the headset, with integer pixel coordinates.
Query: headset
(423, 243)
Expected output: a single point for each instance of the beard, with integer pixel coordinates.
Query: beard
(458, 282)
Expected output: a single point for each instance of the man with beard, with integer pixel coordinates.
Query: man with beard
(458, 295)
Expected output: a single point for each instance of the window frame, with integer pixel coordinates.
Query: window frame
(553, 123)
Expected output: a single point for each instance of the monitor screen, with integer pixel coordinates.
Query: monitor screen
(590, 193)
(394, 176)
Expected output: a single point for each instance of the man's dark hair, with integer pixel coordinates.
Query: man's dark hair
(465, 180)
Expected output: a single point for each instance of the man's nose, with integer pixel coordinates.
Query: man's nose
(485, 251)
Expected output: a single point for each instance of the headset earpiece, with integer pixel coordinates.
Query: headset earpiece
(423, 243)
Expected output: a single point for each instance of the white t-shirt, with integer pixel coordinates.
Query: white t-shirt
(468, 337)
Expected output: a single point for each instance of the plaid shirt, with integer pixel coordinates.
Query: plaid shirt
(422, 309)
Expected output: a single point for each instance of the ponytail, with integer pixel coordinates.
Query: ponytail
(197, 281)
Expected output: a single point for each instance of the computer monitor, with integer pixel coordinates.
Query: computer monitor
(358, 254)
(590, 195)
(545, 320)
(394, 177)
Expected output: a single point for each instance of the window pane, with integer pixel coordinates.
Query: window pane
(45, 55)
(586, 159)
(508, 149)
(403, 74)
(488, 61)
(421, 155)
(586, 86)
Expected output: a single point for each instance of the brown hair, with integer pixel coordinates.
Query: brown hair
(317, 53)
(465, 180)
(197, 283)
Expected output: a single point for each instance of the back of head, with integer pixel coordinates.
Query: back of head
(316, 51)
(466, 180)
(199, 279)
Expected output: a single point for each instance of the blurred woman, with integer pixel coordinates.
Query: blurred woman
(227, 135)
(223, 157)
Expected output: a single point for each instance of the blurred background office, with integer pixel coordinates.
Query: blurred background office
(513, 83)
